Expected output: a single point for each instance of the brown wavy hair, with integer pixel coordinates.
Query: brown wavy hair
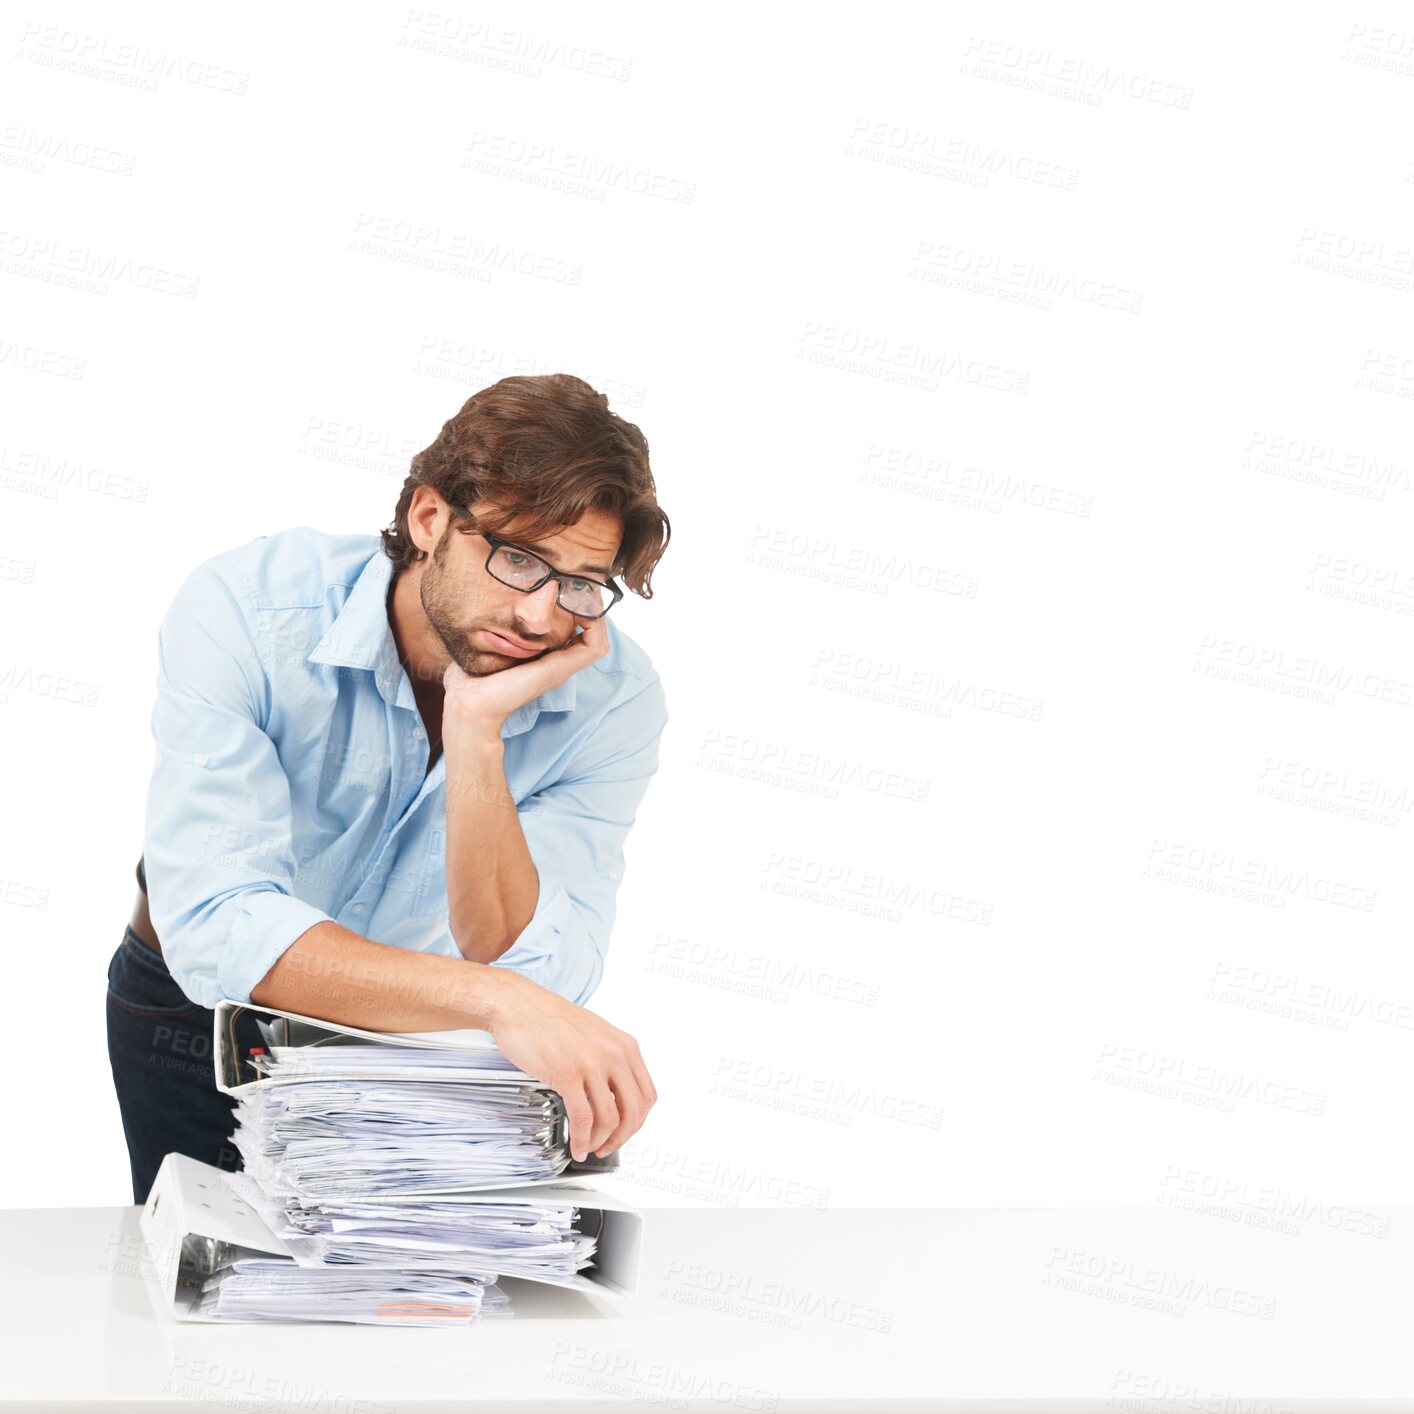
(548, 448)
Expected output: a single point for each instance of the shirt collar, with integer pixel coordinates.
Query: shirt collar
(362, 637)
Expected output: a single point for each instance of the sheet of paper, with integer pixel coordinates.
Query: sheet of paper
(358, 1138)
(251, 1288)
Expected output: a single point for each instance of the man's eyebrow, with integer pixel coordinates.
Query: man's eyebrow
(583, 569)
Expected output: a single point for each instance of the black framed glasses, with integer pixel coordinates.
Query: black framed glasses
(579, 595)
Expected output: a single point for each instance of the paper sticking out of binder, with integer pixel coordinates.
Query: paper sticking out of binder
(327, 1112)
(222, 1251)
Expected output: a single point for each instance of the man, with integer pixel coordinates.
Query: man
(393, 782)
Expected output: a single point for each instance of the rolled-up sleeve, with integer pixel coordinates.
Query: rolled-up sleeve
(217, 841)
(575, 831)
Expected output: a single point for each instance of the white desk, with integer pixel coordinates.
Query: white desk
(1002, 1310)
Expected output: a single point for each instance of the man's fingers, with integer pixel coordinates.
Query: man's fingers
(646, 1087)
(606, 1112)
(581, 1118)
(607, 1103)
(633, 1110)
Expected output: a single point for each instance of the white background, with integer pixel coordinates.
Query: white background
(1030, 397)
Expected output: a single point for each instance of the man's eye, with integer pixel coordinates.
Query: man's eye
(516, 558)
(580, 583)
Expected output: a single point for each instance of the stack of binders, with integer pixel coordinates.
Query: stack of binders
(389, 1180)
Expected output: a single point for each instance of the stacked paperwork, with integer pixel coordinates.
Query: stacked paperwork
(370, 1166)
(273, 1289)
(364, 1138)
(539, 1241)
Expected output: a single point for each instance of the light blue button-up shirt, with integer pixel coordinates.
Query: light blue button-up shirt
(291, 781)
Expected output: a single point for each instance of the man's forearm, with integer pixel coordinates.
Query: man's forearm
(334, 974)
(492, 885)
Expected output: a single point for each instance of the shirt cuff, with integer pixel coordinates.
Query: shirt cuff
(266, 923)
(554, 951)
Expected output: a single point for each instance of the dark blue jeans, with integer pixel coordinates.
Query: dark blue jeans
(160, 1051)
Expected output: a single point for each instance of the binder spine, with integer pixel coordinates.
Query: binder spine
(591, 1163)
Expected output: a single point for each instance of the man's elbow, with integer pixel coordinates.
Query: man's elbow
(477, 945)
(562, 951)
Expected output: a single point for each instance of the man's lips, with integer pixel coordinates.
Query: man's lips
(509, 647)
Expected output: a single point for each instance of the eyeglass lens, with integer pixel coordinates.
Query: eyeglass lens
(520, 570)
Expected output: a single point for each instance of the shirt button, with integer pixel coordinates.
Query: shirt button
(355, 908)
(418, 734)
(200, 758)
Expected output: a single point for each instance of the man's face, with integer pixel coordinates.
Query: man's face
(467, 605)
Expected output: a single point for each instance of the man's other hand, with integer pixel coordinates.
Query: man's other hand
(594, 1066)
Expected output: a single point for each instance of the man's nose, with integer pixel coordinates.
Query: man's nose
(540, 610)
